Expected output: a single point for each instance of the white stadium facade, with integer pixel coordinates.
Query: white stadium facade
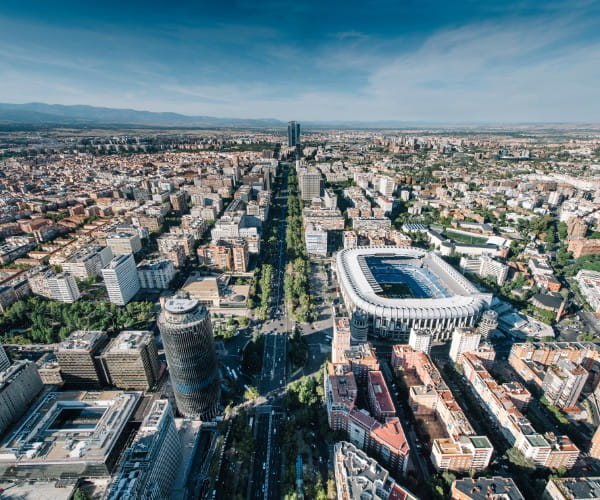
(399, 289)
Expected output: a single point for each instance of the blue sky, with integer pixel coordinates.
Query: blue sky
(445, 61)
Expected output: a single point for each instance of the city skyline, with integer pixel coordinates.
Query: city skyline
(468, 62)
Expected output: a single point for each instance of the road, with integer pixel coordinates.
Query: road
(274, 363)
(266, 480)
(268, 460)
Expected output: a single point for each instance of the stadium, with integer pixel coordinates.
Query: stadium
(398, 289)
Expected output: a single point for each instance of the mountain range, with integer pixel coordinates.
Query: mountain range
(37, 114)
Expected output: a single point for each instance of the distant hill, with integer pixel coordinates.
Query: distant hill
(37, 113)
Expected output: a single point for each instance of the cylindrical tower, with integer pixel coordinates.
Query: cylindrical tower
(190, 350)
(359, 327)
(488, 323)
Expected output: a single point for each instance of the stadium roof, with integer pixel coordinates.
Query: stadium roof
(465, 299)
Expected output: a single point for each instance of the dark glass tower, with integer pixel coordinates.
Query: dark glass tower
(190, 350)
(293, 134)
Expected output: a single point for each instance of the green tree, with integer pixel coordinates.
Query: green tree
(562, 230)
(81, 495)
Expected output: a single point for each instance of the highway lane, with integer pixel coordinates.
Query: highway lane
(268, 460)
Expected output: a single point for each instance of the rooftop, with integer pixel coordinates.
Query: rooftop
(180, 306)
(578, 488)
(129, 340)
(37, 490)
(484, 488)
(82, 340)
(68, 427)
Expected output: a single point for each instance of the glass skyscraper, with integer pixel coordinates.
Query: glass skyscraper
(293, 134)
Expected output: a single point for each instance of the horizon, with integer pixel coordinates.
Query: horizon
(465, 63)
(276, 122)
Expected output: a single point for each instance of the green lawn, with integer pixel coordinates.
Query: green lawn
(463, 238)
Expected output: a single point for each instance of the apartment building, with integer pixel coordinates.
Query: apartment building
(505, 403)
(156, 274)
(563, 383)
(316, 239)
(594, 450)
(341, 340)
(589, 286)
(359, 476)
(572, 488)
(226, 254)
(485, 488)
(87, 262)
(350, 239)
(531, 359)
(420, 340)
(383, 438)
(63, 287)
(380, 400)
(461, 449)
(123, 243)
(484, 266)
(330, 219)
(463, 340)
(362, 359)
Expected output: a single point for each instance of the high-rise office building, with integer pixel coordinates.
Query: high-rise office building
(79, 359)
(4, 361)
(131, 360)
(63, 288)
(293, 134)
(149, 466)
(19, 385)
(190, 350)
(121, 279)
(311, 185)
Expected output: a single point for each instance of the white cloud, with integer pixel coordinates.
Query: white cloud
(484, 72)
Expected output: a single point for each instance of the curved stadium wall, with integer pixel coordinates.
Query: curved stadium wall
(442, 298)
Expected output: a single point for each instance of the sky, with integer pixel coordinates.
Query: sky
(319, 60)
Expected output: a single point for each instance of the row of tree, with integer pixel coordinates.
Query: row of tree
(297, 286)
(265, 286)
